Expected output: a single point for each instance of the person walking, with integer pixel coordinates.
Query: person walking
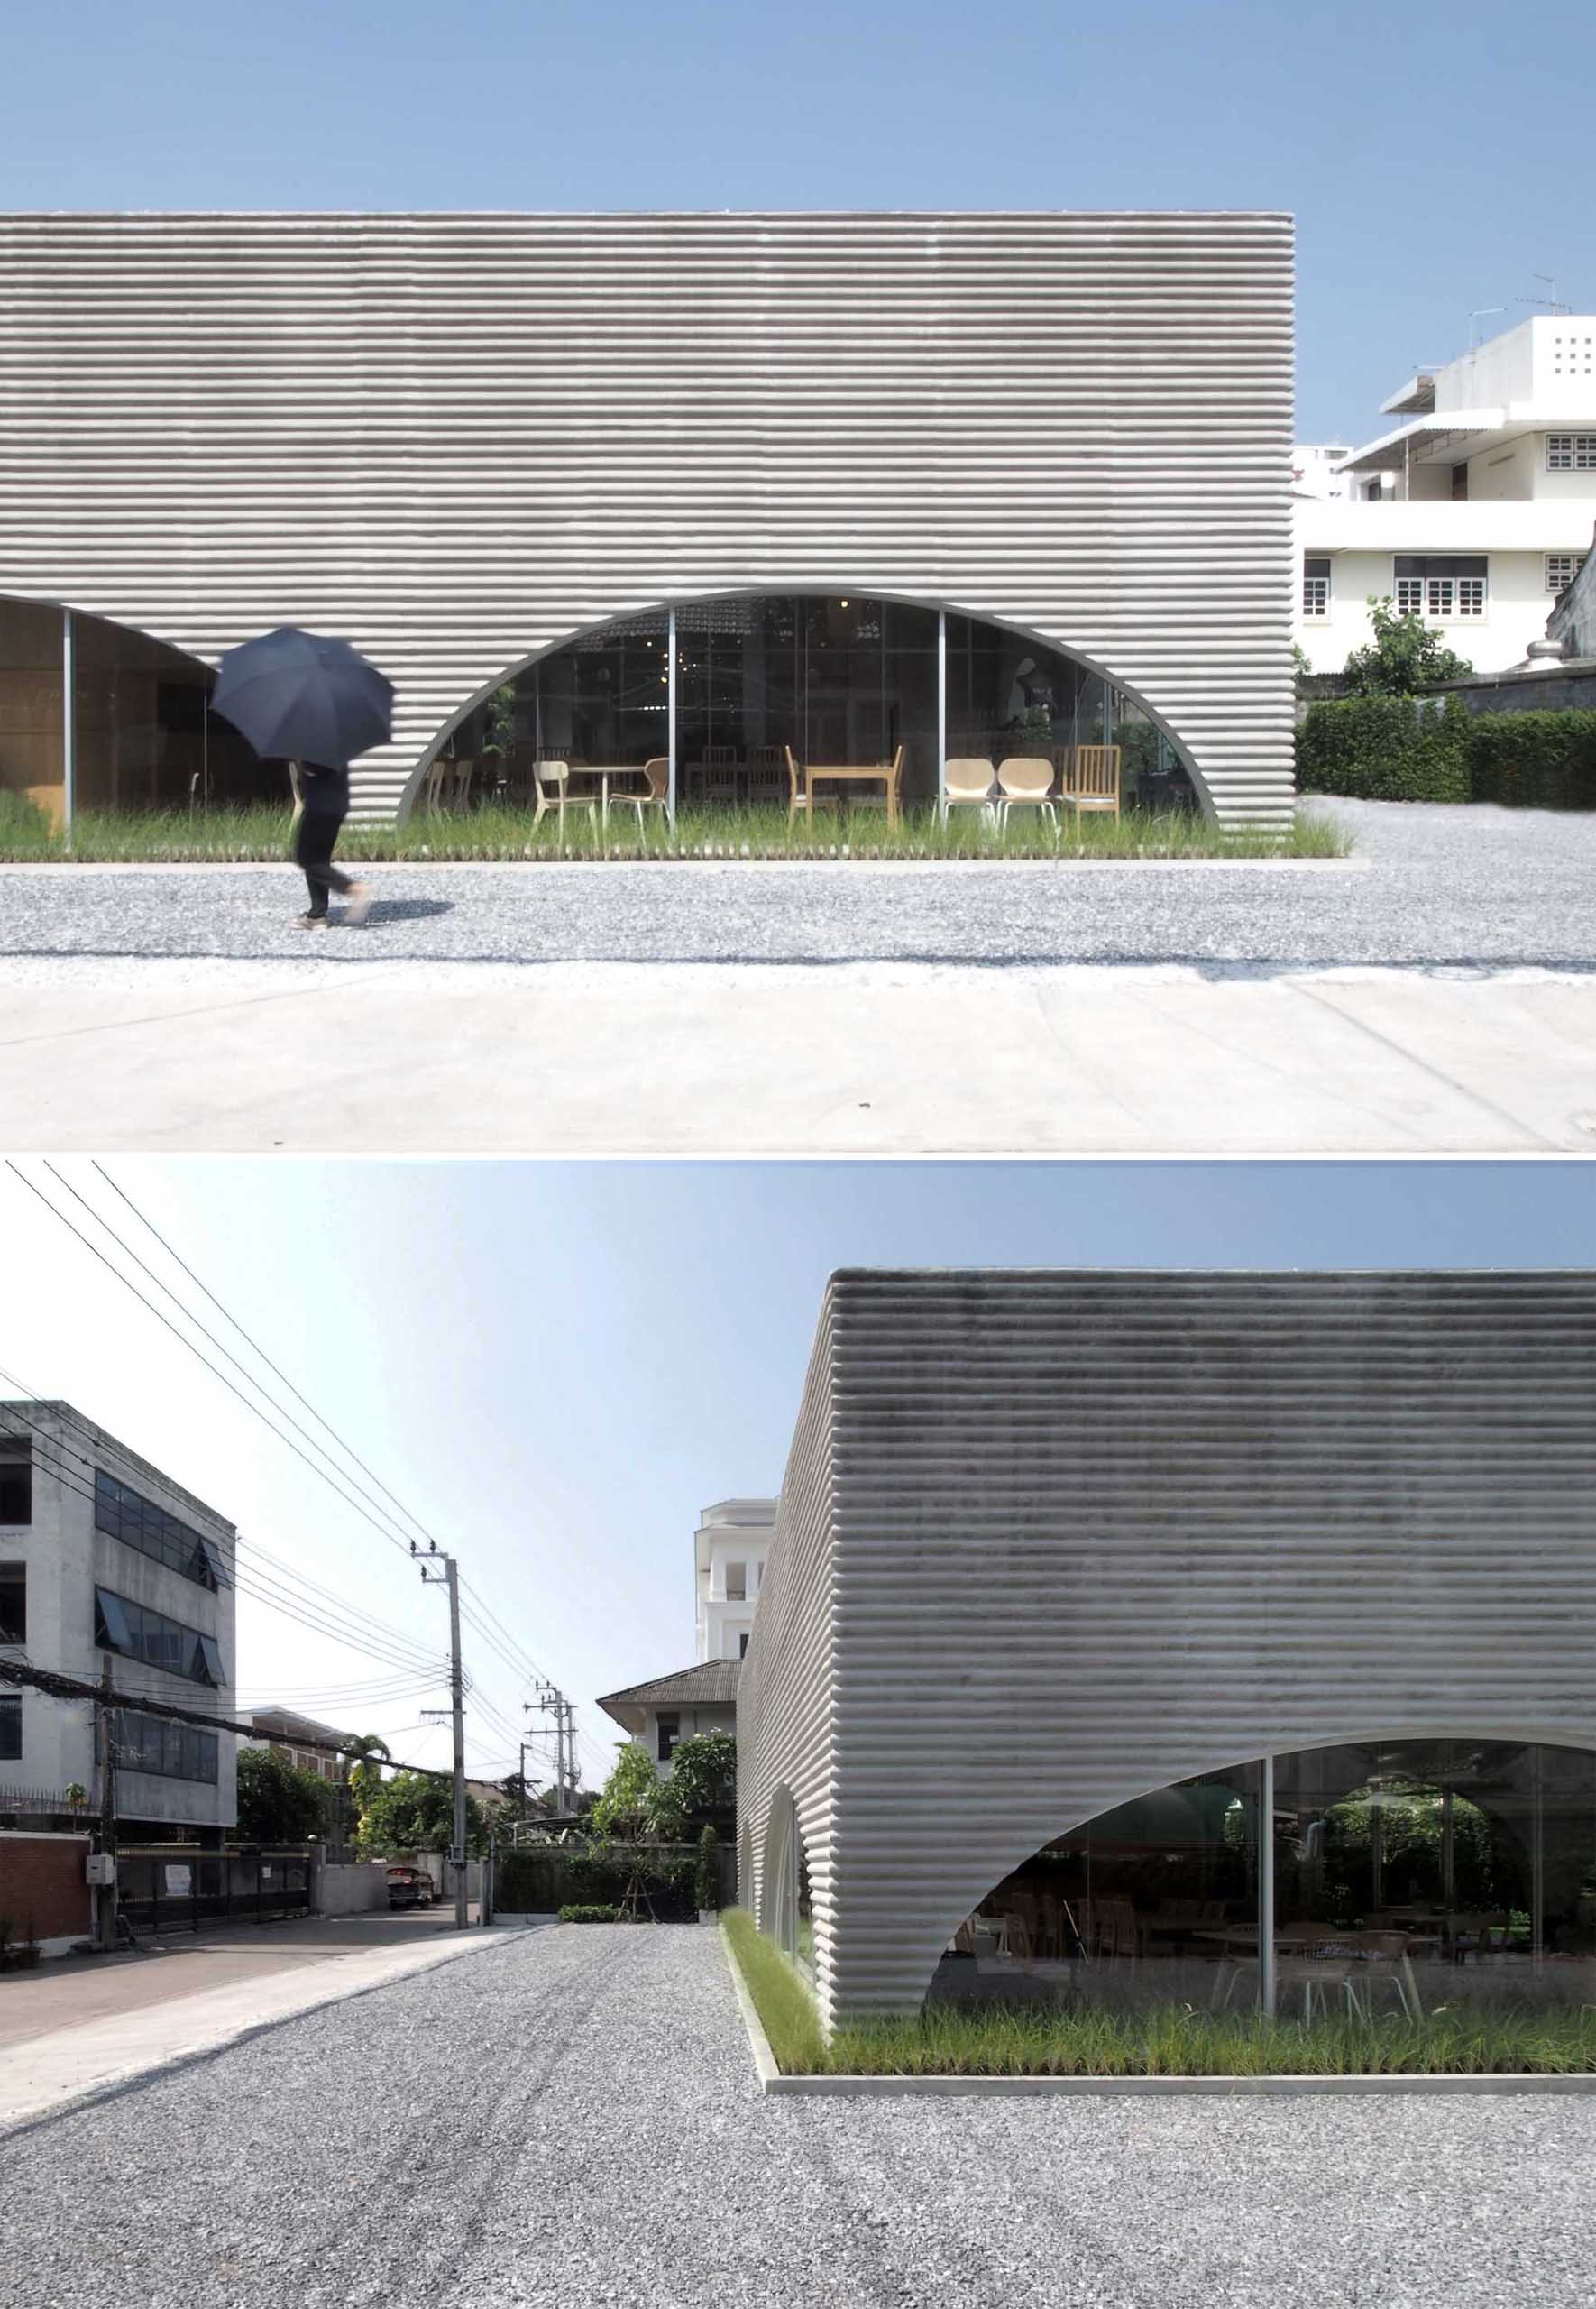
(315, 703)
(324, 804)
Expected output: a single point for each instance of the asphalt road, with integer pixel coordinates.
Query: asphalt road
(1460, 887)
(571, 2120)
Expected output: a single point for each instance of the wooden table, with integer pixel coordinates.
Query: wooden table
(604, 772)
(855, 773)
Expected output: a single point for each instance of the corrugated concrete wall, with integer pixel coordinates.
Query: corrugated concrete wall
(1084, 1535)
(459, 440)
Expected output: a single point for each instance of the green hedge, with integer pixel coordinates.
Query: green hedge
(538, 1879)
(1536, 761)
(595, 1912)
(1400, 749)
(1385, 750)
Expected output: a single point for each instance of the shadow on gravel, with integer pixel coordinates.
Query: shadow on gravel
(405, 910)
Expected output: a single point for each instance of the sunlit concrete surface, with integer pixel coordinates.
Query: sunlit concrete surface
(781, 1058)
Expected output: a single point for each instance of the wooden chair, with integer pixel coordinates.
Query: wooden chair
(967, 784)
(447, 784)
(1094, 779)
(655, 796)
(799, 797)
(551, 782)
(766, 773)
(720, 766)
(1025, 781)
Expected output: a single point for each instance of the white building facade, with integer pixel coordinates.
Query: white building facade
(1475, 510)
(104, 1559)
(728, 1551)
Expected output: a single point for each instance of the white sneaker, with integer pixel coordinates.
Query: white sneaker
(358, 905)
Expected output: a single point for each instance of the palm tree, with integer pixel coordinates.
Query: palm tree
(369, 1752)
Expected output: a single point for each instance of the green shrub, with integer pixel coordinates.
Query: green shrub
(588, 1912)
(1534, 761)
(1386, 748)
(706, 1881)
(538, 1879)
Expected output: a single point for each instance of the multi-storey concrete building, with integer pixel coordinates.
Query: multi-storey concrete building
(1188, 1636)
(1475, 510)
(621, 488)
(103, 1558)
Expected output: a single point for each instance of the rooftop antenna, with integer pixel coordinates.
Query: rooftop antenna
(1549, 301)
(1479, 313)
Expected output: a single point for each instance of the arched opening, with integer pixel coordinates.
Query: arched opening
(126, 716)
(1398, 1874)
(724, 687)
(786, 1911)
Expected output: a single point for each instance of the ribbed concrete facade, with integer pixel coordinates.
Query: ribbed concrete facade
(1051, 1541)
(461, 440)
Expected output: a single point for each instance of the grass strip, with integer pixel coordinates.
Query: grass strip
(1011, 2039)
(497, 835)
(784, 2005)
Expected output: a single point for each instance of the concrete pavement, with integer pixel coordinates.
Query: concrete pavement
(84, 2026)
(859, 1058)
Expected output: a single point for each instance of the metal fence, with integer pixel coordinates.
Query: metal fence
(169, 1888)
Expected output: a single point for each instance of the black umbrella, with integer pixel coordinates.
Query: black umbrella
(299, 697)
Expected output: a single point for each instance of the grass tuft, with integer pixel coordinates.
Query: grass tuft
(1170, 2041)
(502, 835)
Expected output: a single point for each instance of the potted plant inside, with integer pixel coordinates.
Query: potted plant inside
(707, 1877)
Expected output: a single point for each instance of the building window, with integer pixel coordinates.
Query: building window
(139, 1633)
(670, 1731)
(736, 1583)
(742, 1646)
(1440, 584)
(125, 1514)
(13, 1603)
(169, 1750)
(16, 1489)
(11, 1728)
(1316, 586)
(1561, 569)
(1571, 453)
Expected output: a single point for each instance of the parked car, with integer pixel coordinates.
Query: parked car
(409, 1888)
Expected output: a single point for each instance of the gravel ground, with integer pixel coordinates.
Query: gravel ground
(1431, 886)
(571, 2119)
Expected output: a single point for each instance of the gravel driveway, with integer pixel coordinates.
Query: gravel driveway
(1431, 886)
(571, 2119)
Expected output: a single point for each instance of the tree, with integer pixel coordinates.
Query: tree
(365, 1773)
(278, 1803)
(707, 1875)
(1406, 655)
(703, 1773)
(632, 1804)
(414, 1812)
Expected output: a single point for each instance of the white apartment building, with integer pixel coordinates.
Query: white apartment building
(1475, 509)
(728, 1551)
(102, 1557)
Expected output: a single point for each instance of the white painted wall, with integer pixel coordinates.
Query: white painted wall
(732, 1532)
(355, 1888)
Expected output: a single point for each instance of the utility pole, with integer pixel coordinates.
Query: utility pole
(450, 1575)
(552, 1701)
(105, 1894)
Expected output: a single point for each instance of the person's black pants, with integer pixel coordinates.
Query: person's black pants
(316, 832)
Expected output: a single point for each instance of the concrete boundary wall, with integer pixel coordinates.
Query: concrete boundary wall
(1079, 1536)
(462, 440)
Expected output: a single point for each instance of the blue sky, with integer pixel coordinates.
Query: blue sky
(557, 1365)
(1434, 165)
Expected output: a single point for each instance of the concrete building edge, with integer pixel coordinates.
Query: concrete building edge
(129, 2080)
